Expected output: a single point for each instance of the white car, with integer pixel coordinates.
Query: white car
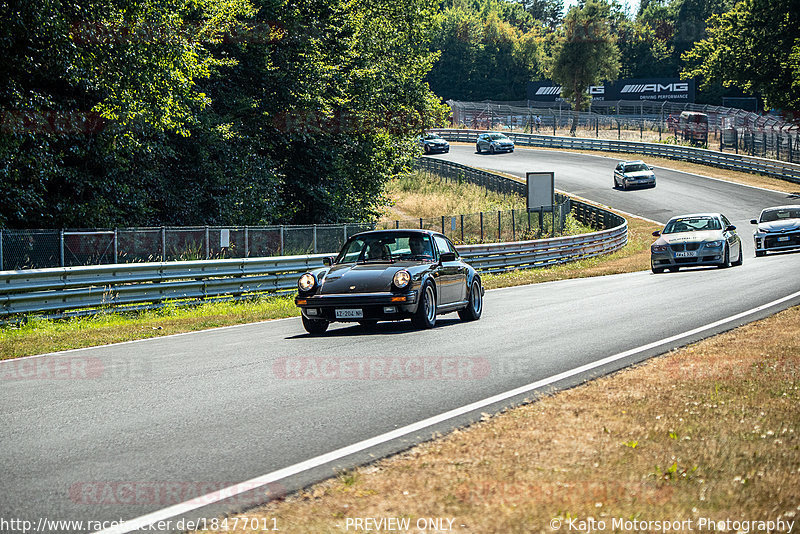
(634, 174)
(778, 229)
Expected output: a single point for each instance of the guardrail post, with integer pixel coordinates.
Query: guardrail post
(246, 242)
(61, 246)
(397, 224)
(116, 248)
(1, 250)
(443, 225)
(163, 243)
(208, 244)
(315, 239)
(481, 227)
(420, 223)
(499, 226)
(462, 227)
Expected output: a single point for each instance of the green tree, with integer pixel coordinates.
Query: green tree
(584, 53)
(489, 50)
(755, 46)
(548, 12)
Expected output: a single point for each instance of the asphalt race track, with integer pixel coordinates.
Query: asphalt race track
(210, 409)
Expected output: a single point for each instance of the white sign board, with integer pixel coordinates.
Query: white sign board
(224, 238)
(541, 189)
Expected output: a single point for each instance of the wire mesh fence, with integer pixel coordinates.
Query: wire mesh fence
(492, 226)
(39, 249)
(729, 129)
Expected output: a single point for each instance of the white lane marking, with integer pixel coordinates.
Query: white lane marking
(254, 483)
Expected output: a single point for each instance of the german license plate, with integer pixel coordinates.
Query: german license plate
(687, 254)
(350, 314)
(783, 238)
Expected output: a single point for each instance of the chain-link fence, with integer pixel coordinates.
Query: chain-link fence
(38, 249)
(729, 129)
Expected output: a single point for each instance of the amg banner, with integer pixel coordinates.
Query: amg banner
(659, 89)
(547, 91)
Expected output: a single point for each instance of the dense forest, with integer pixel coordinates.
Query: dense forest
(180, 112)
(490, 48)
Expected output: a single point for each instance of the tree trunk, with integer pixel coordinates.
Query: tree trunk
(574, 126)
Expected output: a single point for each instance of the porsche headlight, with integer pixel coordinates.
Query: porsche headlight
(306, 282)
(401, 279)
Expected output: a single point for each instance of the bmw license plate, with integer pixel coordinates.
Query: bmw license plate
(687, 254)
(783, 238)
(350, 314)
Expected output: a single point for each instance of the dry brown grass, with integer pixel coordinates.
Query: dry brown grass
(418, 195)
(710, 431)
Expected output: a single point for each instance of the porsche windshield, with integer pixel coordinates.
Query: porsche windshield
(780, 214)
(692, 224)
(386, 248)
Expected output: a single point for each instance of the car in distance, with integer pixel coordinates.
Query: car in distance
(778, 229)
(390, 275)
(634, 174)
(433, 144)
(694, 240)
(494, 142)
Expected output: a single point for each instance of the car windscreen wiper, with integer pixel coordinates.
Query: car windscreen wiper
(376, 260)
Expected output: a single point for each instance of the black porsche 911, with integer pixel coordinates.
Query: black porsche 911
(390, 275)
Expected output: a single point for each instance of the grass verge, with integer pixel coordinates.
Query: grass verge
(704, 434)
(40, 336)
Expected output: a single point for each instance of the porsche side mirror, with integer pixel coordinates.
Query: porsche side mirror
(327, 261)
(730, 228)
(447, 256)
(753, 221)
(657, 234)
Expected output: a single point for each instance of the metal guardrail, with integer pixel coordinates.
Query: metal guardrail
(87, 289)
(737, 162)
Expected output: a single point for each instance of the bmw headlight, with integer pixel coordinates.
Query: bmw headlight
(401, 279)
(714, 244)
(659, 248)
(306, 282)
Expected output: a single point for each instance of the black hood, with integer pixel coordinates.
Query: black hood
(359, 278)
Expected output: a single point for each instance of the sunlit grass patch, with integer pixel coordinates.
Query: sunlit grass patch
(37, 336)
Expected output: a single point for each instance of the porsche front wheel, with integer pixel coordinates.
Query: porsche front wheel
(425, 316)
(315, 327)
